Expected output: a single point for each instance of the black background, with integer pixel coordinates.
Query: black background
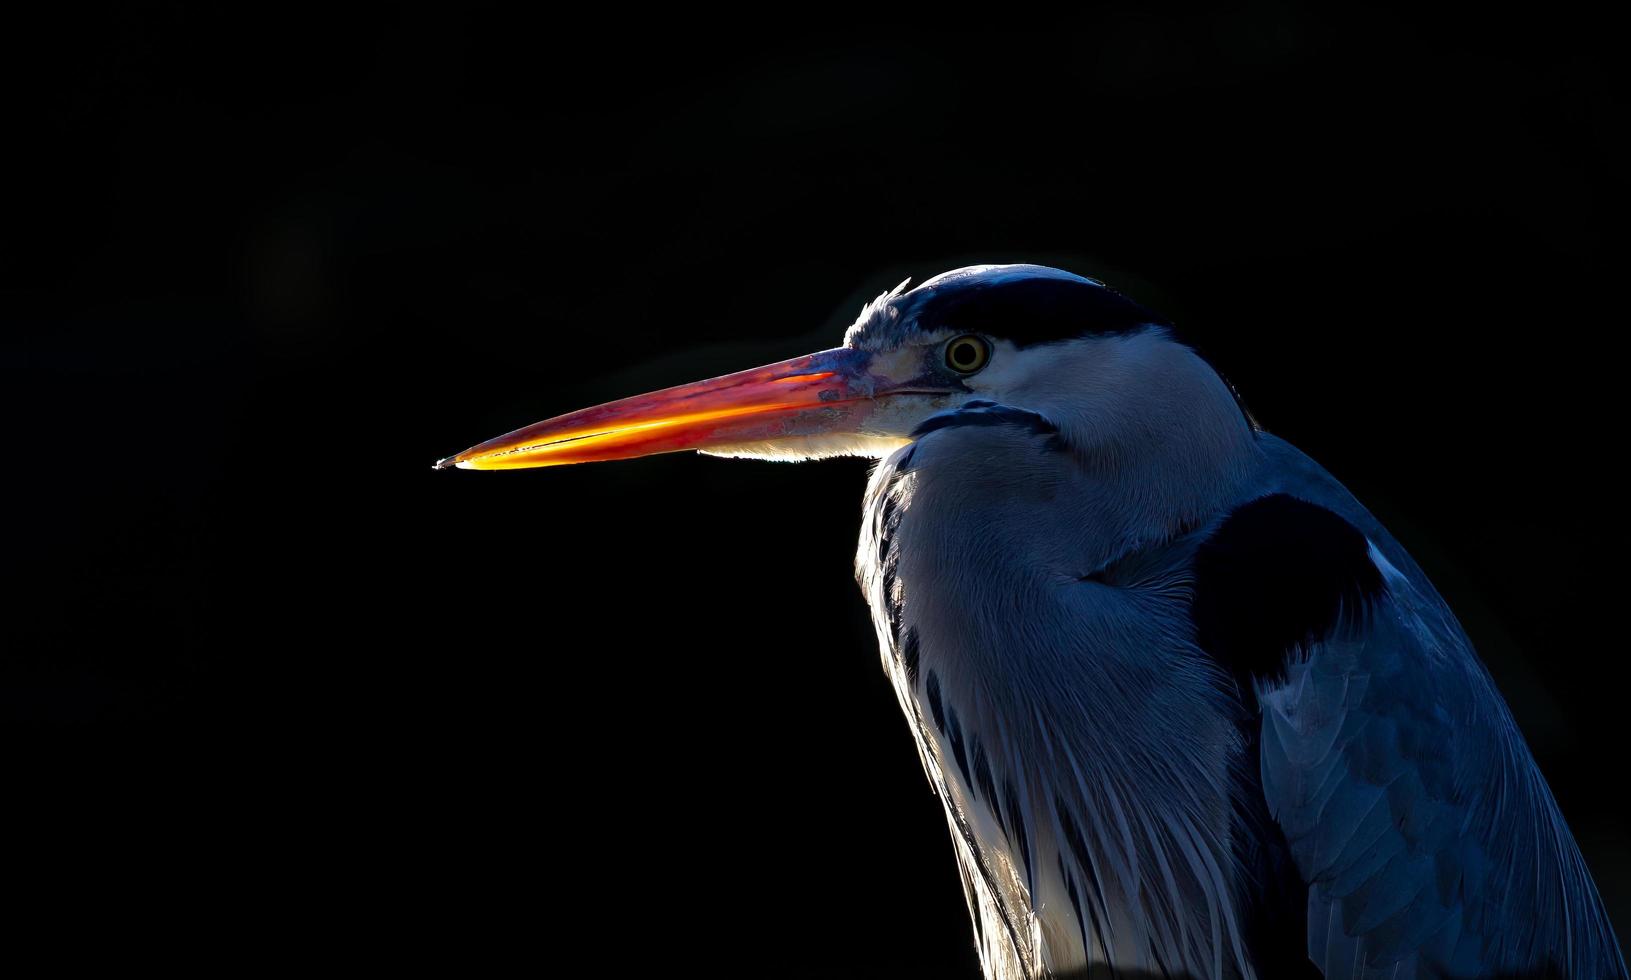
(285, 693)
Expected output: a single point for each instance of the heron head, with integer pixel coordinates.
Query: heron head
(995, 332)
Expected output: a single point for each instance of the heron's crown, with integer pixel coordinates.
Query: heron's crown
(1024, 304)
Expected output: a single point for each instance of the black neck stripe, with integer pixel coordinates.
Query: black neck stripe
(988, 414)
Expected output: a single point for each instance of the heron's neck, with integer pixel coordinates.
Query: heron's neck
(1080, 693)
(1159, 437)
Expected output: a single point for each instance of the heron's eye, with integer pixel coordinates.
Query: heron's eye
(967, 354)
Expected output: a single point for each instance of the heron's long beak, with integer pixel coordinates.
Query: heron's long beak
(830, 391)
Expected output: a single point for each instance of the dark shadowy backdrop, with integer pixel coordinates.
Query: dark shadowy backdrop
(283, 691)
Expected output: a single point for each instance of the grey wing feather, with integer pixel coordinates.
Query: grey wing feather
(1431, 843)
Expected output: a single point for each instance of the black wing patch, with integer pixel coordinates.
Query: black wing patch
(1277, 574)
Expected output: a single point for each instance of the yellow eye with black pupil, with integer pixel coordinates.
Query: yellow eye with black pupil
(967, 354)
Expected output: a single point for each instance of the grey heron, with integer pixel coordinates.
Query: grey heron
(1190, 709)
